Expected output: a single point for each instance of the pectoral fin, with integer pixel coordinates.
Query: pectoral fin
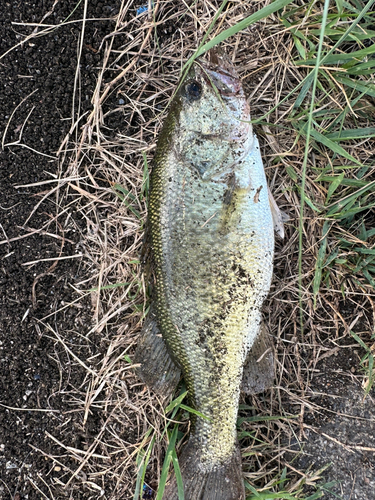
(259, 369)
(157, 368)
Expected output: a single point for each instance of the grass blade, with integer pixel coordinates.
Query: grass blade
(304, 90)
(333, 146)
(344, 56)
(143, 467)
(366, 88)
(320, 261)
(176, 402)
(335, 183)
(167, 462)
(195, 412)
(257, 16)
(177, 471)
(123, 194)
(336, 208)
(352, 134)
(304, 164)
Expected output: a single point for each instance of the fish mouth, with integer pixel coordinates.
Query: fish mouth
(220, 73)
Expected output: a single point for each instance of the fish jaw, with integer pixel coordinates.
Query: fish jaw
(219, 69)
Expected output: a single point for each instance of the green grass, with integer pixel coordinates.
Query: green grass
(367, 363)
(334, 133)
(325, 131)
(176, 410)
(340, 68)
(128, 199)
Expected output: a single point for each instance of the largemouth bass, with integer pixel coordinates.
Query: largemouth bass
(210, 229)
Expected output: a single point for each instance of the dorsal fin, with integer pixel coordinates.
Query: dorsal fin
(278, 216)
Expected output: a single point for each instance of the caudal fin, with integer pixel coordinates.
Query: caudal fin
(207, 482)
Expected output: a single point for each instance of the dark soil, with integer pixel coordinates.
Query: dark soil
(340, 428)
(35, 371)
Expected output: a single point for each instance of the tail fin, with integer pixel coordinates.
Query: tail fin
(204, 482)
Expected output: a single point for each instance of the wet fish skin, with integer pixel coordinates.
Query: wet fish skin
(212, 242)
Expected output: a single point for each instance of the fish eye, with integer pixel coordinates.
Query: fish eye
(194, 90)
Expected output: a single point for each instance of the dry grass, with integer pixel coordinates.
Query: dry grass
(141, 65)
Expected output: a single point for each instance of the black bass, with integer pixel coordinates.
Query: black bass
(210, 227)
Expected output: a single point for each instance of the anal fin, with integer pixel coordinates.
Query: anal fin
(259, 368)
(157, 368)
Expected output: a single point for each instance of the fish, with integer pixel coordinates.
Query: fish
(210, 245)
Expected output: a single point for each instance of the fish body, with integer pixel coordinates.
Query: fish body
(212, 241)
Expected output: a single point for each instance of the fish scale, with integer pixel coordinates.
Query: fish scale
(212, 240)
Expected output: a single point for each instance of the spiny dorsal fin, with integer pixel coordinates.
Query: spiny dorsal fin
(278, 216)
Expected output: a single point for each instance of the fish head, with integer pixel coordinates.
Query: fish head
(213, 117)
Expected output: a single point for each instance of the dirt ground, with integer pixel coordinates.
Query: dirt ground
(38, 380)
(40, 73)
